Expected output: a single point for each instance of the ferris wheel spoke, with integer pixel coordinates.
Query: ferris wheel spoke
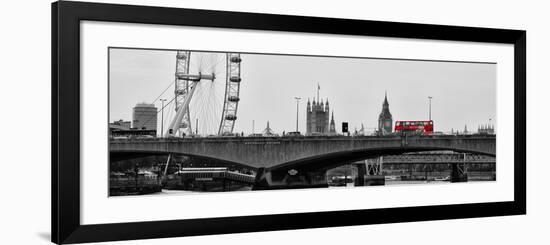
(205, 107)
(216, 62)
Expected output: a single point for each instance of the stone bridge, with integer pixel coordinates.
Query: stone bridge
(302, 152)
(298, 162)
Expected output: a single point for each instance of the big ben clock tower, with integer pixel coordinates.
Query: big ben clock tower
(385, 120)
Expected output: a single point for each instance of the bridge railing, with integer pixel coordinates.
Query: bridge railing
(313, 137)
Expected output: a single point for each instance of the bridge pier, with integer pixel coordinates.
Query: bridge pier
(369, 172)
(289, 179)
(372, 180)
(361, 173)
(459, 172)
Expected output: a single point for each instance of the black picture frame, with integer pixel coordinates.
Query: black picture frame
(65, 223)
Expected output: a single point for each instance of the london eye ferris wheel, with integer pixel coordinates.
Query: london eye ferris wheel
(206, 93)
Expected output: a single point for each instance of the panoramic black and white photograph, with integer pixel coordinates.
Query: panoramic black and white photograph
(187, 121)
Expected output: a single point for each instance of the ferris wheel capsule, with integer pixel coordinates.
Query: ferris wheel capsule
(235, 79)
(236, 59)
(233, 98)
(231, 117)
(181, 56)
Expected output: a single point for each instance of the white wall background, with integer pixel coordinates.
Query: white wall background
(25, 100)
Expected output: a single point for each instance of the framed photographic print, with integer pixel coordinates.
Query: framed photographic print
(175, 122)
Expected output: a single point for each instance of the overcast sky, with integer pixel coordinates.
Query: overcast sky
(463, 93)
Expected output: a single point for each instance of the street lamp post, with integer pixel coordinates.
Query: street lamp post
(430, 107)
(297, 108)
(162, 117)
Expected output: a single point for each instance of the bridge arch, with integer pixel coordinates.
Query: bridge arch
(125, 155)
(335, 159)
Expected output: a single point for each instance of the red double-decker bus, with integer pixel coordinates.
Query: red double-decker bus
(415, 127)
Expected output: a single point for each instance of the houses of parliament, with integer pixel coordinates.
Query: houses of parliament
(318, 121)
(317, 118)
